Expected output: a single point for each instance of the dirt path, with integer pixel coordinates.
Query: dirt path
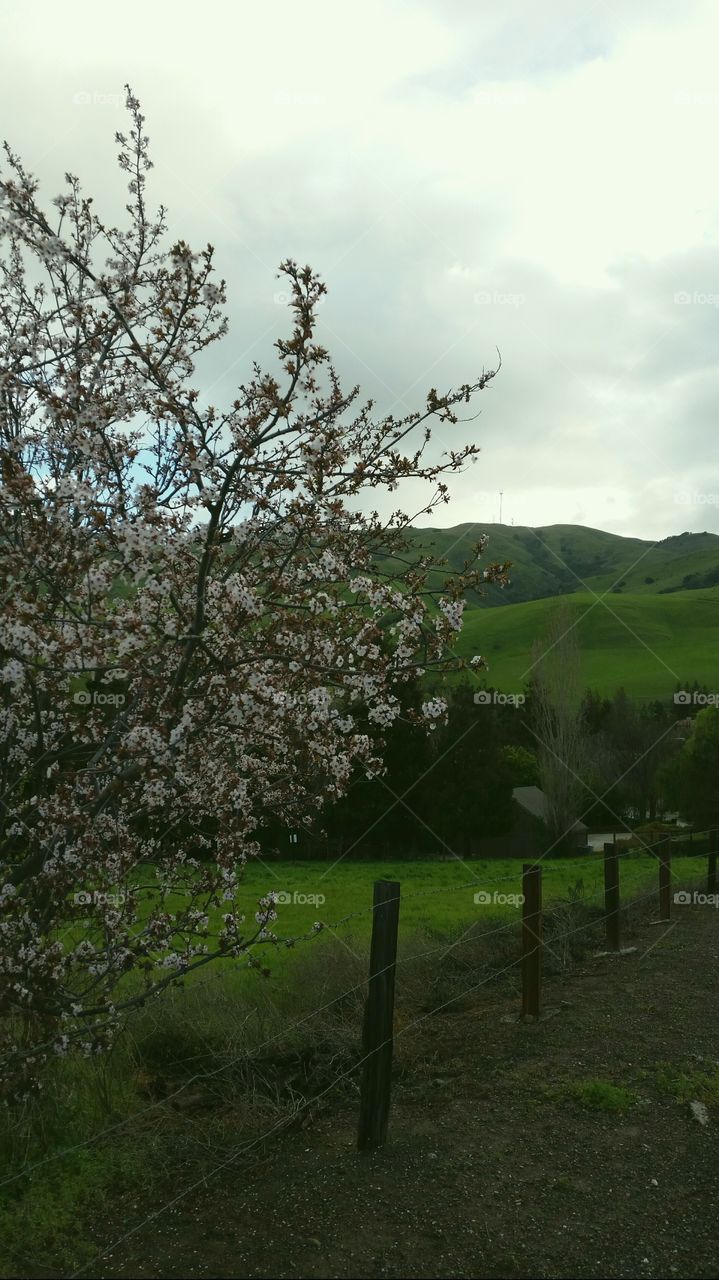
(495, 1168)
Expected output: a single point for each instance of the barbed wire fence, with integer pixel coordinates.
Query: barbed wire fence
(330, 927)
(378, 1032)
(384, 911)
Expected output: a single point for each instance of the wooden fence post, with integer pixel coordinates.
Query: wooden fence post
(531, 939)
(378, 1018)
(665, 878)
(611, 896)
(712, 866)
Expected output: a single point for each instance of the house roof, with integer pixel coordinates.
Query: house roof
(534, 801)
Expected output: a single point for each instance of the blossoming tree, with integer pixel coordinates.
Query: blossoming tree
(196, 637)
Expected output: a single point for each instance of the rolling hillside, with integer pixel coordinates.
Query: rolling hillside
(560, 559)
(646, 643)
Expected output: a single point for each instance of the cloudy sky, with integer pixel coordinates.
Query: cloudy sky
(465, 177)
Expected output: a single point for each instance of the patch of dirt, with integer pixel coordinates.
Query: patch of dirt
(493, 1168)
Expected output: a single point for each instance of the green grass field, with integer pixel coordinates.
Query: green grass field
(644, 643)
(435, 898)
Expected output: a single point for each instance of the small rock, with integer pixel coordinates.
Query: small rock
(699, 1111)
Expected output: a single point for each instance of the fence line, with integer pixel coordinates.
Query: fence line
(712, 867)
(380, 970)
(199, 1076)
(245, 1148)
(531, 939)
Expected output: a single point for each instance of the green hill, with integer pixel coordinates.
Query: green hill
(646, 643)
(657, 627)
(561, 559)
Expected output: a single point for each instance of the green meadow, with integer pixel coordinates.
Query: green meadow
(436, 898)
(646, 644)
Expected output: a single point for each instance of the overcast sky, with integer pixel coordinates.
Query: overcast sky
(540, 179)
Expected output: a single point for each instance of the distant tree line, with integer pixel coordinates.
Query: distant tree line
(437, 794)
(440, 795)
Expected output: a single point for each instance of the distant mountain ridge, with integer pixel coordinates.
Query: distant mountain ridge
(561, 559)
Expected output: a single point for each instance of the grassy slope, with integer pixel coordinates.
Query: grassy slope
(645, 643)
(646, 636)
